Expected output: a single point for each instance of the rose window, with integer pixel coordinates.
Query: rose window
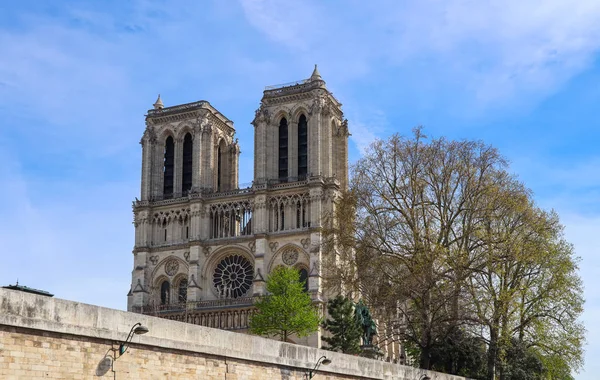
(233, 276)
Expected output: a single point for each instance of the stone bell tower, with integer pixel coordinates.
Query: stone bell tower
(203, 246)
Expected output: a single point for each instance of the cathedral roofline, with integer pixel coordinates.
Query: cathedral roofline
(187, 107)
(315, 81)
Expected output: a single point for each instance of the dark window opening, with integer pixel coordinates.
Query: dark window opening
(169, 163)
(187, 232)
(302, 147)
(182, 291)
(283, 149)
(186, 177)
(281, 217)
(165, 288)
(165, 234)
(304, 279)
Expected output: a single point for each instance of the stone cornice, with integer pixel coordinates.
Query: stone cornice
(195, 110)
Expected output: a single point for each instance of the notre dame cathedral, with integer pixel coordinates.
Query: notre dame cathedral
(204, 246)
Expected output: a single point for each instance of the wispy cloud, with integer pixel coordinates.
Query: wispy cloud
(492, 52)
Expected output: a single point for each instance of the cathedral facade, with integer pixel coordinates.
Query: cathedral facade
(204, 246)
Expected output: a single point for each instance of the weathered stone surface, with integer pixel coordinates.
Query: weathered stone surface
(43, 337)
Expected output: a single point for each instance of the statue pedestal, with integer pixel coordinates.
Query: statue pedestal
(371, 352)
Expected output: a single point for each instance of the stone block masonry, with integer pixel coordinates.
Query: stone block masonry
(49, 338)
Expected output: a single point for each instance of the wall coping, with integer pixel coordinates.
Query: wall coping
(30, 311)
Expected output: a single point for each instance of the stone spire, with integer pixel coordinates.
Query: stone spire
(158, 104)
(315, 75)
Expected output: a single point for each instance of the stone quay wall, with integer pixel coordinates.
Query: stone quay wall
(49, 338)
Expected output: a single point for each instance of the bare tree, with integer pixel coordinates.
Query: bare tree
(418, 228)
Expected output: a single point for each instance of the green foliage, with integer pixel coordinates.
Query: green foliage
(343, 326)
(461, 354)
(522, 363)
(443, 229)
(286, 309)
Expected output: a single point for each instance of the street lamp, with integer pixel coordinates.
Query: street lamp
(322, 360)
(137, 329)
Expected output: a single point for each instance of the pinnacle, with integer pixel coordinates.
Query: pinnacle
(315, 75)
(158, 104)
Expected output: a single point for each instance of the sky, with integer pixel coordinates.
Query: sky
(77, 77)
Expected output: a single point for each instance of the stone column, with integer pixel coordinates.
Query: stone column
(326, 147)
(260, 122)
(139, 288)
(197, 159)
(293, 150)
(272, 152)
(158, 168)
(147, 148)
(204, 222)
(314, 138)
(260, 270)
(195, 274)
(208, 157)
(177, 167)
(235, 167)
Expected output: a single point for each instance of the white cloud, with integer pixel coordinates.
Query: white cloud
(492, 52)
(77, 245)
(365, 131)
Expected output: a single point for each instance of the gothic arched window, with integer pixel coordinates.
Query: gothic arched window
(165, 289)
(168, 167)
(182, 291)
(186, 170)
(283, 149)
(304, 278)
(302, 147)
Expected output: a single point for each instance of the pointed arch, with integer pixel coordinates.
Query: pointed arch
(168, 167)
(186, 168)
(165, 292)
(283, 149)
(302, 147)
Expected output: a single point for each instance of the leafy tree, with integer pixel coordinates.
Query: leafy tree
(441, 238)
(286, 309)
(342, 324)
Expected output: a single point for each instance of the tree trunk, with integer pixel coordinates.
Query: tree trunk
(492, 354)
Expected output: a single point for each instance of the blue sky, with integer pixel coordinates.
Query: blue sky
(76, 78)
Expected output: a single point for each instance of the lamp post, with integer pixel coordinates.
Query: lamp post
(137, 329)
(322, 360)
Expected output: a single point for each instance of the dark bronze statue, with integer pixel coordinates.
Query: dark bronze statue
(364, 319)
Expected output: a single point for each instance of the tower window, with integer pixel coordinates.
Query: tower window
(302, 147)
(168, 167)
(182, 291)
(165, 289)
(304, 278)
(165, 234)
(283, 149)
(186, 174)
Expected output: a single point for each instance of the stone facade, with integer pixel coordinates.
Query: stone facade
(204, 246)
(42, 337)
